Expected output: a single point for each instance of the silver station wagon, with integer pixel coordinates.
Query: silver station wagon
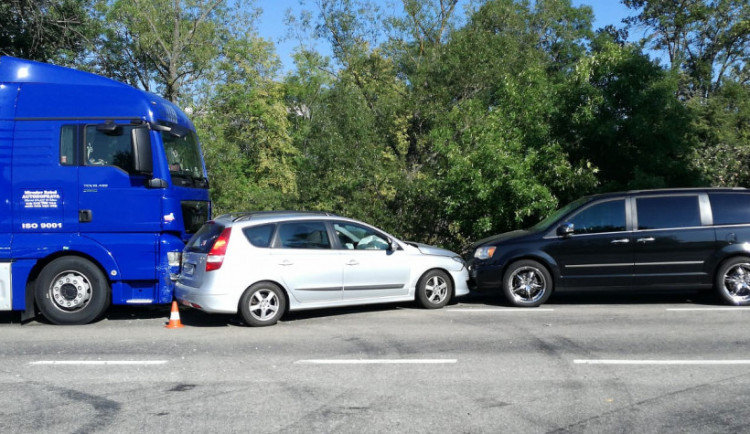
(262, 264)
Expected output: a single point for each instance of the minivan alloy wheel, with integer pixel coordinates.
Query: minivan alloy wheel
(527, 283)
(736, 282)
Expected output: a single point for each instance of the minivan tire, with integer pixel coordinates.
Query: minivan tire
(529, 277)
(262, 304)
(733, 281)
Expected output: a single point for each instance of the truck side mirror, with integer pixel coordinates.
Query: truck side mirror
(142, 160)
(565, 229)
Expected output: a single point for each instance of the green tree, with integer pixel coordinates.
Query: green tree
(57, 31)
(621, 113)
(167, 46)
(246, 134)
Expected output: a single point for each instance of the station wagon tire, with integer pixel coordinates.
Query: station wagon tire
(733, 281)
(72, 290)
(527, 283)
(434, 289)
(262, 304)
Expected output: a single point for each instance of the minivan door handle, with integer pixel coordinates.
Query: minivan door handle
(286, 262)
(646, 240)
(621, 241)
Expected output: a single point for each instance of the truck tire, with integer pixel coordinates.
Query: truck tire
(72, 290)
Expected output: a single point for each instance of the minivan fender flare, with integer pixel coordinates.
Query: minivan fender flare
(536, 255)
(724, 254)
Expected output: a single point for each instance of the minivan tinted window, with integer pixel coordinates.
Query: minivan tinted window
(602, 217)
(730, 208)
(666, 212)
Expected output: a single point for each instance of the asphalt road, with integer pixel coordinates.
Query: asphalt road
(584, 362)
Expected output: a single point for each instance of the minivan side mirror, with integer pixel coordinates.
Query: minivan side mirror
(565, 229)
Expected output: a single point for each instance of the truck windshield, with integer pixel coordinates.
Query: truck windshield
(184, 159)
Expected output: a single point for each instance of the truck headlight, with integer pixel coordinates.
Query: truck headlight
(174, 258)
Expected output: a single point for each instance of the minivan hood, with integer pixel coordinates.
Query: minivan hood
(426, 249)
(501, 237)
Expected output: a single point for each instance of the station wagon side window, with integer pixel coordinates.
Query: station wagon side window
(259, 236)
(356, 237)
(667, 212)
(601, 217)
(730, 208)
(304, 235)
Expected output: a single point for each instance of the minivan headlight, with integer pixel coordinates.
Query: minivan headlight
(485, 252)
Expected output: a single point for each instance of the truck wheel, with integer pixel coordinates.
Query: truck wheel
(527, 283)
(733, 281)
(72, 290)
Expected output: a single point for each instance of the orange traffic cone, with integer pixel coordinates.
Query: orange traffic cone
(174, 318)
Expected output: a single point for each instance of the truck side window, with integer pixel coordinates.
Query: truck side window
(110, 148)
(68, 142)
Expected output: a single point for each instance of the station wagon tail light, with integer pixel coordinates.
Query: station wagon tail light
(485, 252)
(216, 256)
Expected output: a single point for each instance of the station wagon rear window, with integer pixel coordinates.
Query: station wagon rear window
(204, 239)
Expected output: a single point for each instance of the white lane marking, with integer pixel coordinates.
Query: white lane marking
(99, 362)
(519, 310)
(375, 361)
(662, 362)
(692, 309)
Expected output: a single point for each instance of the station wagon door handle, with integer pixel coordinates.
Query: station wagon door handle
(352, 262)
(621, 241)
(646, 240)
(286, 262)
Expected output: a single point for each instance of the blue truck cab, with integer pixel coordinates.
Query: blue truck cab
(101, 185)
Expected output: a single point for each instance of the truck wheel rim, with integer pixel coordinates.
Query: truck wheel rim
(70, 291)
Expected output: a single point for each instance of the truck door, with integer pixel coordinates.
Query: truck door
(7, 104)
(115, 206)
(45, 195)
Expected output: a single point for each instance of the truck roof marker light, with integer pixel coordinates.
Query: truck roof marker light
(215, 257)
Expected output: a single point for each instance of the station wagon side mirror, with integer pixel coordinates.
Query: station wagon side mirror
(392, 246)
(565, 229)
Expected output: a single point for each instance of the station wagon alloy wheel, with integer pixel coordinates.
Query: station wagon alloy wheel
(734, 281)
(434, 289)
(262, 304)
(527, 283)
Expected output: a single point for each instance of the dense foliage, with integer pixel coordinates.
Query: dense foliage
(442, 122)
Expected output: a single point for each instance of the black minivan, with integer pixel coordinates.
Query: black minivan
(678, 238)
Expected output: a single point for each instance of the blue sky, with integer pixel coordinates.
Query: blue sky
(271, 23)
